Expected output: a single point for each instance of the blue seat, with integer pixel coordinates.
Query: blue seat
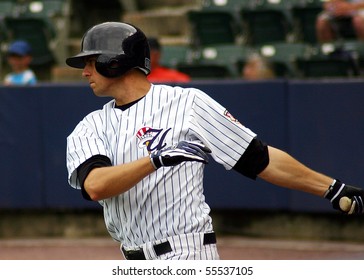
(283, 56)
(266, 22)
(217, 22)
(328, 61)
(226, 5)
(304, 21)
(213, 27)
(46, 8)
(217, 61)
(172, 55)
(6, 9)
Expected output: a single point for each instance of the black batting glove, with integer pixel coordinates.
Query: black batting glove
(337, 190)
(181, 152)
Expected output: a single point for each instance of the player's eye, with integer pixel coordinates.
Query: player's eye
(90, 60)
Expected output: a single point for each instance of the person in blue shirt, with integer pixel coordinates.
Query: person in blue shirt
(19, 57)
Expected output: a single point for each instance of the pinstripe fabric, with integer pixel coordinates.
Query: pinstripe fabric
(169, 202)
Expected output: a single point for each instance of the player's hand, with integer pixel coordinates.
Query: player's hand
(176, 154)
(355, 194)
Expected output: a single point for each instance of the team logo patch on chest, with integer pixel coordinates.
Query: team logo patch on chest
(152, 138)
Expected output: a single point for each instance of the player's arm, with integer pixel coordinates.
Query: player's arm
(109, 181)
(100, 180)
(283, 170)
(279, 168)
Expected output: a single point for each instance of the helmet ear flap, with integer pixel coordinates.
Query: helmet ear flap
(109, 67)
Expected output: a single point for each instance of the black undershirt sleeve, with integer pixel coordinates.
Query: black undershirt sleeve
(85, 168)
(254, 160)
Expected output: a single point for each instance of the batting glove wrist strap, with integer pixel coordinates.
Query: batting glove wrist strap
(156, 162)
(176, 154)
(337, 190)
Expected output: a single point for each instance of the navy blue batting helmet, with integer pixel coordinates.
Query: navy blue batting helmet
(118, 46)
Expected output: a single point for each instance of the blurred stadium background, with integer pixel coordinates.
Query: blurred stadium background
(205, 38)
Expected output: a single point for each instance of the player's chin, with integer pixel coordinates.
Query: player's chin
(92, 85)
(94, 88)
(99, 90)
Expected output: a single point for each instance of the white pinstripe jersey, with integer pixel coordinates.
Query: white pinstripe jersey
(170, 201)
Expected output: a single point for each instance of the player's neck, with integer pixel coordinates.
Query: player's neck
(134, 86)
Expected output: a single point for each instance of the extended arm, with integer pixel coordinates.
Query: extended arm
(283, 170)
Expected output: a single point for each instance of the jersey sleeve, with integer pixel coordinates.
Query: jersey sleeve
(83, 143)
(216, 127)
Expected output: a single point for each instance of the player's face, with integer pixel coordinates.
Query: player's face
(99, 84)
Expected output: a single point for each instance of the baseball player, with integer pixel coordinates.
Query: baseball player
(142, 155)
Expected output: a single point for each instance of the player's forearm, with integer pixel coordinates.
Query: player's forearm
(105, 182)
(283, 170)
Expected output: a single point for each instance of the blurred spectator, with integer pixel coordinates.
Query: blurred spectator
(19, 58)
(340, 18)
(257, 68)
(159, 73)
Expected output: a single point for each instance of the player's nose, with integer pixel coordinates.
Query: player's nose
(86, 72)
